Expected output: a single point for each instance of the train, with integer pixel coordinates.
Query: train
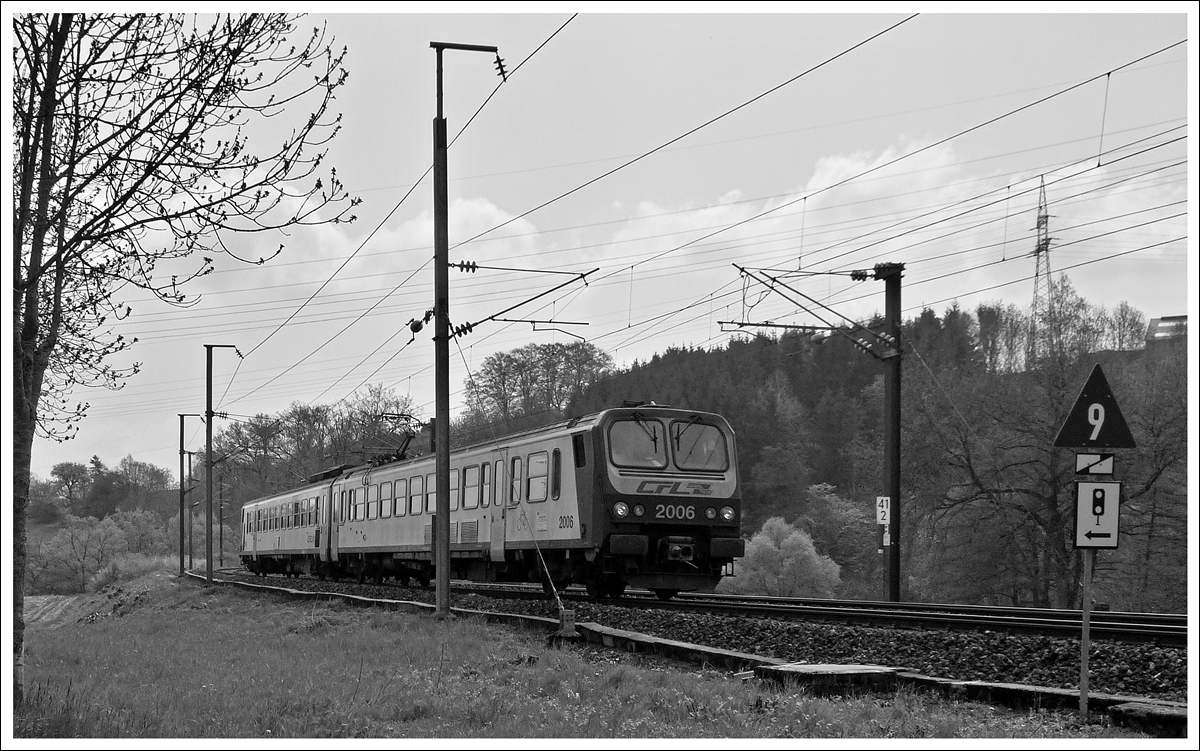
(642, 495)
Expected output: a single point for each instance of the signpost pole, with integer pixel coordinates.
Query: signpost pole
(1089, 558)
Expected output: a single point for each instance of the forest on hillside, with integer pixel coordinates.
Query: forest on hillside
(986, 499)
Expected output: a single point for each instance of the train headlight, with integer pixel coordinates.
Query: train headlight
(639, 510)
(710, 513)
(727, 513)
(620, 509)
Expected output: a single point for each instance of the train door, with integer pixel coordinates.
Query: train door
(337, 514)
(323, 533)
(495, 490)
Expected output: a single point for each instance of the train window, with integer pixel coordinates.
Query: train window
(372, 506)
(471, 487)
(577, 444)
(539, 469)
(638, 443)
(360, 496)
(431, 493)
(342, 508)
(385, 500)
(454, 490)
(501, 486)
(485, 484)
(515, 494)
(296, 514)
(555, 474)
(416, 491)
(699, 446)
(400, 503)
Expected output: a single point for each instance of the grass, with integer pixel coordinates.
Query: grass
(195, 663)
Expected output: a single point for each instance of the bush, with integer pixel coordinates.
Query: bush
(128, 567)
(66, 562)
(781, 560)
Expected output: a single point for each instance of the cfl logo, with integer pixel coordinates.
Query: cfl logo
(667, 487)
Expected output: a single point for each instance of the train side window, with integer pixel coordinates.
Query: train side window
(342, 508)
(431, 493)
(539, 469)
(556, 474)
(515, 494)
(372, 506)
(416, 491)
(502, 487)
(385, 500)
(577, 448)
(471, 487)
(361, 496)
(400, 504)
(295, 514)
(454, 490)
(485, 484)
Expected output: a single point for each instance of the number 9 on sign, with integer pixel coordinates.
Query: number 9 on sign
(1096, 419)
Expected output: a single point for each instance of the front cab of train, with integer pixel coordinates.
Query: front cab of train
(671, 499)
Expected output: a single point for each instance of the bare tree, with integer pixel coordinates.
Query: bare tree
(131, 150)
(1127, 327)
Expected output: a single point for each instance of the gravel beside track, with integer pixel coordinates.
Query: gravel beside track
(1143, 670)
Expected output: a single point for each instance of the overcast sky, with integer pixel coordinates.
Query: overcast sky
(843, 140)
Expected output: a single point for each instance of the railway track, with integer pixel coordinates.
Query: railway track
(929, 643)
(1151, 628)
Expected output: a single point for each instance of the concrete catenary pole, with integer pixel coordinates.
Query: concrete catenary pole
(441, 337)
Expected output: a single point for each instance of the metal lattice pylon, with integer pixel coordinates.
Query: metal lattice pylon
(1041, 322)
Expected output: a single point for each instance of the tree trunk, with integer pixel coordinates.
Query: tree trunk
(23, 431)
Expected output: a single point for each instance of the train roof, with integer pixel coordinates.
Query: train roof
(327, 476)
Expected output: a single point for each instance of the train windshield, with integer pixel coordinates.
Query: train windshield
(698, 446)
(638, 442)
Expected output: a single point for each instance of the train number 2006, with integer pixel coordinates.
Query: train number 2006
(670, 511)
(566, 522)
